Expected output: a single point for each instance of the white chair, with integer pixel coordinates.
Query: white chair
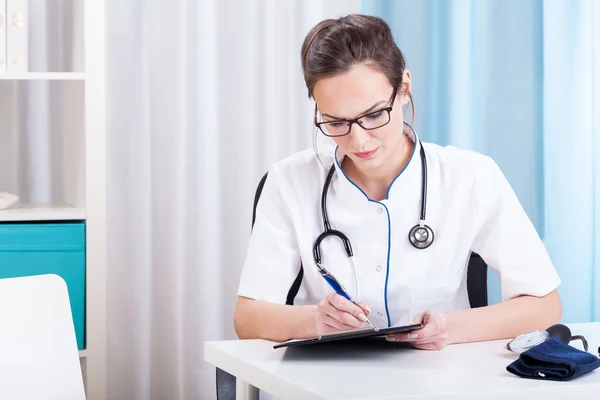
(38, 349)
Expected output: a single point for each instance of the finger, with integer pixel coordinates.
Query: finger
(430, 330)
(417, 319)
(346, 305)
(412, 336)
(431, 325)
(403, 337)
(426, 346)
(327, 308)
(439, 345)
(344, 317)
(365, 307)
(333, 323)
(440, 337)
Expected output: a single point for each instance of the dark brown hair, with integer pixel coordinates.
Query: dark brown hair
(334, 46)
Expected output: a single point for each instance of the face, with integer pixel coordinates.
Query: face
(360, 91)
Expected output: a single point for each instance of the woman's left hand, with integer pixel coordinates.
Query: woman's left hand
(433, 335)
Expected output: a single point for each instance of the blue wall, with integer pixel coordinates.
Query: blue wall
(515, 79)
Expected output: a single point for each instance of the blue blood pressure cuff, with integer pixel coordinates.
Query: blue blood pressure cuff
(553, 360)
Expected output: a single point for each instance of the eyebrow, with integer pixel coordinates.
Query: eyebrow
(363, 113)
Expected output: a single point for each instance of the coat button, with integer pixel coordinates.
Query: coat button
(380, 313)
(378, 268)
(380, 210)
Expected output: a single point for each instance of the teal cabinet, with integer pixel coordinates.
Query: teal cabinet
(43, 248)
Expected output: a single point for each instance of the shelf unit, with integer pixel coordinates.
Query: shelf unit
(89, 202)
(51, 212)
(44, 76)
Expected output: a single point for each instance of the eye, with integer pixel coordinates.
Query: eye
(375, 115)
(334, 124)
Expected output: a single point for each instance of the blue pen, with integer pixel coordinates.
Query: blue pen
(337, 286)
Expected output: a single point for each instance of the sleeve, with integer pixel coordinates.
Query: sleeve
(507, 240)
(273, 257)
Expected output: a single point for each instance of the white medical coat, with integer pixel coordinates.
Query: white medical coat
(470, 206)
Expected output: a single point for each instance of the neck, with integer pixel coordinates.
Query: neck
(375, 182)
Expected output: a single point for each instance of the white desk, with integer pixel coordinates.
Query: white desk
(392, 371)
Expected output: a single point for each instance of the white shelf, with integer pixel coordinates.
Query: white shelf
(49, 76)
(30, 212)
(80, 167)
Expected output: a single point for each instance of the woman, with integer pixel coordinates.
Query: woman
(357, 76)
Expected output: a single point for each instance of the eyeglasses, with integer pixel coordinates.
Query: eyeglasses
(372, 120)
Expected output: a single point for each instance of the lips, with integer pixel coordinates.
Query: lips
(366, 154)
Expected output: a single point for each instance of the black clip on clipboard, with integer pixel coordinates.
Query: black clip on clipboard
(349, 334)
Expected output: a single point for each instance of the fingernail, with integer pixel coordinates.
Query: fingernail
(362, 317)
(368, 309)
(412, 336)
(390, 338)
(411, 323)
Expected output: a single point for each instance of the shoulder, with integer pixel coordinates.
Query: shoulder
(293, 182)
(472, 176)
(303, 167)
(452, 157)
(456, 164)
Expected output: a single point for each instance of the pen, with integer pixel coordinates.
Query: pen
(339, 289)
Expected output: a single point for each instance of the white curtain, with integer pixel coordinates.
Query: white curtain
(202, 97)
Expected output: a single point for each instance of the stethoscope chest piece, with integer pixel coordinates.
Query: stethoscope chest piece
(421, 236)
(527, 340)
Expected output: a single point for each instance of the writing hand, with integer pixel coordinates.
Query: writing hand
(336, 313)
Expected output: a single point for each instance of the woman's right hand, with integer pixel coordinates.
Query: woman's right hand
(335, 314)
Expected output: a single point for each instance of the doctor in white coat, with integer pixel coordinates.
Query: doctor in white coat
(403, 269)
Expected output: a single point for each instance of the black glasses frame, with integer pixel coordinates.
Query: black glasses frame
(388, 109)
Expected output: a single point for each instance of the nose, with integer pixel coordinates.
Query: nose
(358, 135)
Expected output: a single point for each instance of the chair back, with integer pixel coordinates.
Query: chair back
(39, 356)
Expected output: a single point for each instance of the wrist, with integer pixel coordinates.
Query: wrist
(450, 328)
(308, 323)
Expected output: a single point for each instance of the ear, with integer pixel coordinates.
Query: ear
(405, 89)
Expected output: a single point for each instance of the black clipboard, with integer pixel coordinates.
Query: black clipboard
(349, 334)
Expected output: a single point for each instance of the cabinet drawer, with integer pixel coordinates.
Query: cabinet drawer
(48, 248)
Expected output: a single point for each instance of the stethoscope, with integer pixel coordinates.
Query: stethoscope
(420, 236)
